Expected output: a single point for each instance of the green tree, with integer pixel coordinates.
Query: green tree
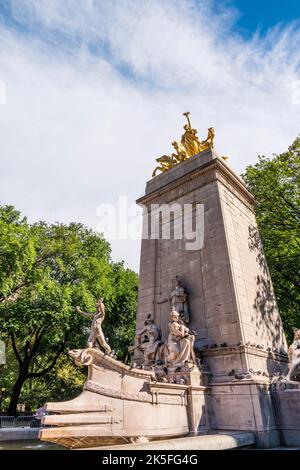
(122, 309)
(63, 382)
(45, 271)
(275, 183)
(17, 253)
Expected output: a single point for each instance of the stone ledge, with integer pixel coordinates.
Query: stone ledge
(228, 440)
(243, 348)
(190, 169)
(18, 434)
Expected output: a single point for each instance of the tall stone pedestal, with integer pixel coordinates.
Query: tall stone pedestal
(233, 308)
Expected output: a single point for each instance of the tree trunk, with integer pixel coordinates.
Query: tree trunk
(12, 408)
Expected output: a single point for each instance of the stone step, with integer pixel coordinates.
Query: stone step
(78, 433)
(79, 418)
(80, 405)
(230, 440)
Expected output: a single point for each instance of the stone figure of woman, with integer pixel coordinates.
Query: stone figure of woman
(179, 300)
(180, 343)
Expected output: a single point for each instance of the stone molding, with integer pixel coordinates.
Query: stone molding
(246, 349)
(96, 358)
(92, 386)
(214, 170)
(158, 393)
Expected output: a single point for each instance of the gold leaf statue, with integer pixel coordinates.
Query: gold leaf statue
(166, 163)
(180, 154)
(189, 139)
(189, 146)
(208, 143)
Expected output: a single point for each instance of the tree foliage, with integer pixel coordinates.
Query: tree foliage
(45, 271)
(275, 183)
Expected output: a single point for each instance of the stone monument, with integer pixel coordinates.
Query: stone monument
(234, 313)
(210, 352)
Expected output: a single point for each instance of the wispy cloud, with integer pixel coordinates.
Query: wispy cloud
(95, 92)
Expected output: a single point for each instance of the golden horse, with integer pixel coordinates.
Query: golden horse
(209, 141)
(166, 163)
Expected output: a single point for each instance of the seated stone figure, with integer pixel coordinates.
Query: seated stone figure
(179, 348)
(294, 357)
(149, 342)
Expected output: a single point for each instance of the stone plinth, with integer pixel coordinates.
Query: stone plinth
(287, 412)
(244, 405)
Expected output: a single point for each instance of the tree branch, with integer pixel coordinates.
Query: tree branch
(14, 346)
(291, 205)
(14, 294)
(38, 338)
(295, 282)
(51, 366)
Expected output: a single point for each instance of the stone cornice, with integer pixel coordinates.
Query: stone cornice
(235, 382)
(169, 387)
(158, 393)
(95, 387)
(218, 170)
(245, 349)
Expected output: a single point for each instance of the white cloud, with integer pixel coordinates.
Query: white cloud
(76, 132)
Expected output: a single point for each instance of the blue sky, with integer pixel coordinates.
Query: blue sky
(246, 18)
(251, 14)
(264, 14)
(95, 92)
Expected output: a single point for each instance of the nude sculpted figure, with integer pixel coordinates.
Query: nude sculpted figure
(96, 336)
